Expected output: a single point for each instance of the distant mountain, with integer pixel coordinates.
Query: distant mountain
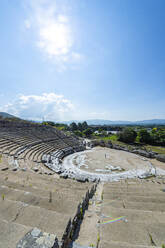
(101, 122)
(6, 115)
(108, 122)
(151, 122)
(143, 122)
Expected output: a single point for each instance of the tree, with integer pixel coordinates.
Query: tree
(100, 130)
(144, 136)
(84, 125)
(80, 127)
(128, 135)
(158, 137)
(51, 123)
(73, 126)
(87, 132)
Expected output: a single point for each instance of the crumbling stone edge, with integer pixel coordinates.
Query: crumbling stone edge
(73, 225)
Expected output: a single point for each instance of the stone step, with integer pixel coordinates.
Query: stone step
(133, 215)
(25, 154)
(147, 199)
(28, 150)
(11, 233)
(133, 233)
(155, 198)
(116, 194)
(10, 148)
(135, 191)
(36, 149)
(60, 202)
(57, 190)
(110, 244)
(39, 154)
(148, 206)
(132, 188)
(33, 216)
(40, 150)
(41, 181)
(138, 181)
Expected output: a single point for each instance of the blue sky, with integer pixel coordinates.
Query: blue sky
(81, 59)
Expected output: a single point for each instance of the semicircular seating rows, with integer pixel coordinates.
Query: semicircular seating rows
(26, 141)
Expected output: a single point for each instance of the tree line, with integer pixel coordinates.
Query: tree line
(154, 137)
(79, 129)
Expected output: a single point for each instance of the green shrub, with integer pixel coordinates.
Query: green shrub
(128, 135)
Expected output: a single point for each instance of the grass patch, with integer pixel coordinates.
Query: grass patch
(0, 158)
(158, 149)
(114, 139)
(111, 138)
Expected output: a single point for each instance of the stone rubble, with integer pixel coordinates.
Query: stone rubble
(37, 239)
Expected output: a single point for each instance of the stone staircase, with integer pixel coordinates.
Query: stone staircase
(29, 200)
(142, 203)
(138, 206)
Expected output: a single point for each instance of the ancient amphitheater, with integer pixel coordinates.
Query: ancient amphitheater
(55, 193)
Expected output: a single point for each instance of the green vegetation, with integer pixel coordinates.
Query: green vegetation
(150, 138)
(128, 135)
(81, 129)
(102, 195)
(112, 138)
(59, 126)
(157, 149)
(98, 239)
(155, 136)
(151, 239)
(144, 136)
(87, 132)
(81, 212)
(3, 197)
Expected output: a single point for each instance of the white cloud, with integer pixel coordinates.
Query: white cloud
(53, 31)
(49, 106)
